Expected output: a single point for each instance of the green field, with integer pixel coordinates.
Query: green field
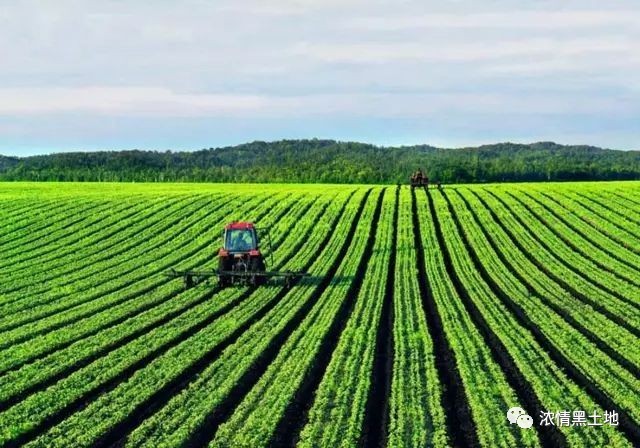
(426, 316)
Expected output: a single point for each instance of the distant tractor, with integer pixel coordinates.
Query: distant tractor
(240, 260)
(418, 179)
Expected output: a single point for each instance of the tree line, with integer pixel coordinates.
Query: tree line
(328, 161)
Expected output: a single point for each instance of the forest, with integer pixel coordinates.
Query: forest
(329, 161)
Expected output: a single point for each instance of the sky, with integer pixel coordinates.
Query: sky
(110, 75)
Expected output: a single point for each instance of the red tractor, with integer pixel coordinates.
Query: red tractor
(240, 260)
(240, 254)
(419, 179)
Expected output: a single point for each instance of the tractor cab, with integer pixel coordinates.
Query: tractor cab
(240, 237)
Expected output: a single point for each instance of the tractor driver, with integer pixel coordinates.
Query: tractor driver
(241, 240)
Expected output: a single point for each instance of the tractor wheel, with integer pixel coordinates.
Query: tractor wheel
(224, 281)
(188, 282)
(224, 264)
(257, 265)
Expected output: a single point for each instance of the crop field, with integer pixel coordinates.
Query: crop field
(426, 315)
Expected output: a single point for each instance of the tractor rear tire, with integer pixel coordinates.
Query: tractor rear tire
(257, 265)
(188, 282)
(224, 281)
(224, 264)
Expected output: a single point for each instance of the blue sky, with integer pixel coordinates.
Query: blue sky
(77, 75)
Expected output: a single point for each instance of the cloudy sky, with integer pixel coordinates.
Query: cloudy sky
(78, 75)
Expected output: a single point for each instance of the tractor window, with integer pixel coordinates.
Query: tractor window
(239, 240)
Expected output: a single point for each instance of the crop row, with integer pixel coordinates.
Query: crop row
(514, 248)
(96, 221)
(281, 393)
(338, 410)
(63, 279)
(588, 241)
(487, 388)
(30, 322)
(424, 317)
(416, 416)
(62, 219)
(86, 321)
(48, 273)
(115, 365)
(606, 217)
(169, 369)
(625, 202)
(30, 219)
(92, 242)
(16, 213)
(504, 308)
(14, 384)
(579, 350)
(191, 414)
(560, 260)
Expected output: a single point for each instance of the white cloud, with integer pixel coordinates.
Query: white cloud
(148, 101)
(573, 65)
(161, 102)
(496, 20)
(462, 52)
(302, 63)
